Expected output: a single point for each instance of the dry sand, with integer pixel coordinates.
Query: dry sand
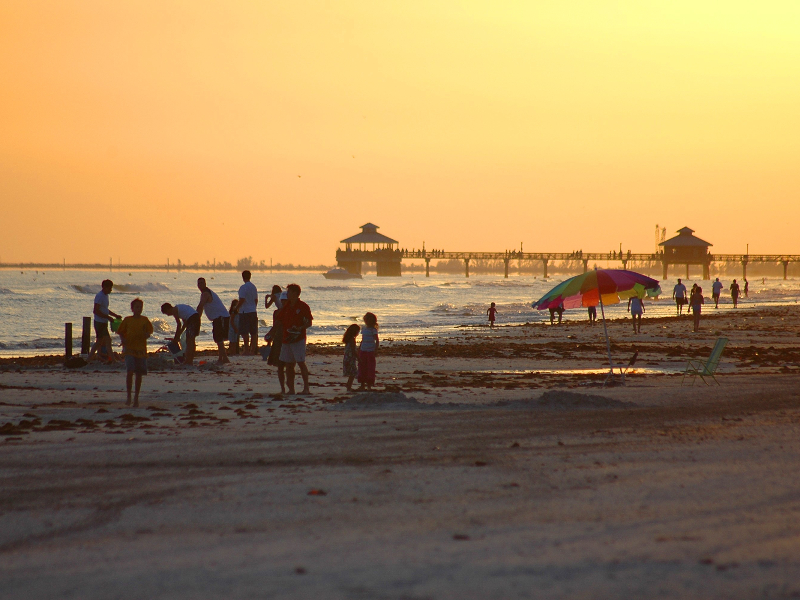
(478, 472)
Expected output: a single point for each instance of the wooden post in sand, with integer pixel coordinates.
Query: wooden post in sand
(68, 340)
(86, 334)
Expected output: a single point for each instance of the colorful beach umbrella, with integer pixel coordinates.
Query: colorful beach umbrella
(600, 286)
(614, 285)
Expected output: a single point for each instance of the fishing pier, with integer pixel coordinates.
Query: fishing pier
(683, 249)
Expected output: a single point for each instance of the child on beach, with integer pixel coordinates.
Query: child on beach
(492, 311)
(233, 330)
(697, 303)
(350, 363)
(134, 332)
(366, 355)
(592, 315)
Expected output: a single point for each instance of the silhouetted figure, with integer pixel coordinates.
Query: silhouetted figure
(716, 290)
(746, 289)
(558, 309)
(735, 293)
(697, 302)
(636, 308)
(218, 315)
(592, 315)
(679, 295)
(491, 311)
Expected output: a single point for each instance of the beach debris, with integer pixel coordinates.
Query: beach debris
(300, 570)
(380, 399)
(563, 400)
(480, 463)
(316, 492)
(75, 362)
(461, 537)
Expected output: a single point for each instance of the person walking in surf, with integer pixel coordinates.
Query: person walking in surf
(492, 312)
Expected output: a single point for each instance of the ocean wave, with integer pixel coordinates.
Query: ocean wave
(445, 308)
(505, 283)
(330, 288)
(5, 291)
(160, 325)
(37, 344)
(122, 288)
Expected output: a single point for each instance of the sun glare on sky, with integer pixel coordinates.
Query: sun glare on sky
(200, 130)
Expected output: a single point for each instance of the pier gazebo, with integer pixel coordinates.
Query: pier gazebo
(370, 246)
(686, 249)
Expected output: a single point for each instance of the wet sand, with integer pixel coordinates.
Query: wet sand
(492, 465)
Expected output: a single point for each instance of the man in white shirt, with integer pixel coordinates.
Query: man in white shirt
(102, 315)
(716, 290)
(216, 313)
(248, 314)
(679, 295)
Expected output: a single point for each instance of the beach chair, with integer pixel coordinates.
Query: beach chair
(622, 369)
(698, 368)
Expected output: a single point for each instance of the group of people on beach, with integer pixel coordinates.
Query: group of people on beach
(286, 340)
(696, 300)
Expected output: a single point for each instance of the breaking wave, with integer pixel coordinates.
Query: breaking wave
(37, 344)
(160, 325)
(122, 288)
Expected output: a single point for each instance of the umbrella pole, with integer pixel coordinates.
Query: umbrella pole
(605, 331)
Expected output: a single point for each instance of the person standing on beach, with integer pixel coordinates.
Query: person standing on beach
(134, 332)
(186, 319)
(558, 309)
(492, 311)
(697, 304)
(636, 308)
(367, 351)
(233, 328)
(102, 315)
(275, 335)
(592, 315)
(350, 361)
(218, 315)
(296, 318)
(735, 293)
(716, 290)
(679, 295)
(746, 289)
(248, 314)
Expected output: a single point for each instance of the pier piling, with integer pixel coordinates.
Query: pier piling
(427, 267)
(785, 268)
(67, 340)
(544, 267)
(506, 262)
(466, 267)
(86, 335)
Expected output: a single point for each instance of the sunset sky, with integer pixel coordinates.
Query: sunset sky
(215, 130)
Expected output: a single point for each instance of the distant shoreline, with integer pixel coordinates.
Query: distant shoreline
(167, 268)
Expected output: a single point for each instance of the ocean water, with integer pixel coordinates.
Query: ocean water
(34, 305)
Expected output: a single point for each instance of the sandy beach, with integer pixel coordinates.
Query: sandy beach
(491, 464)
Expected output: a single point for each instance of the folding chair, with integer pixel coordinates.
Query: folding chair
(622, 369)
(698, 368)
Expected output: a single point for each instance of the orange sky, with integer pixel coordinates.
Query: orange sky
(146, 130)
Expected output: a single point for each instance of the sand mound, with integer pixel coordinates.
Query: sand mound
(562, 400)
(382, 399)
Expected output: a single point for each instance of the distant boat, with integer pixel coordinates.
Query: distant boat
(338, 273)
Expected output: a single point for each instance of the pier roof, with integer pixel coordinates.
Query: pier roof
(369, 235)
(684, 238)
